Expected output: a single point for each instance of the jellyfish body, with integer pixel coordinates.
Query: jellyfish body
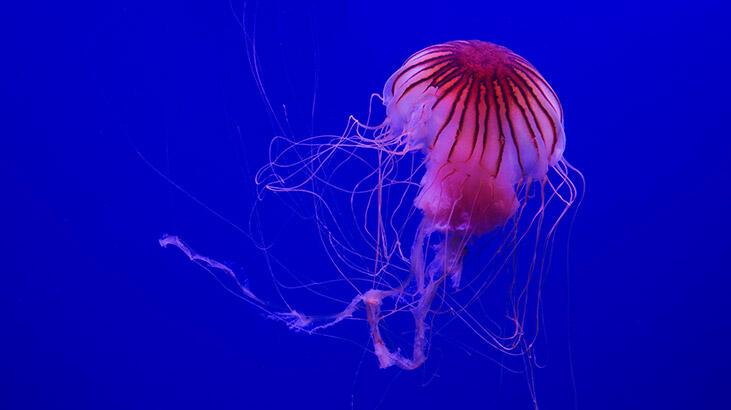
(487, 121)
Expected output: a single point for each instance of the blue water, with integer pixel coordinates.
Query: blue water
(94, 315)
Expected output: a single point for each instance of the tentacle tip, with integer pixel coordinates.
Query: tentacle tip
(166, 240)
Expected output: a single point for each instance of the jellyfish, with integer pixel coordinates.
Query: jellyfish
(472, 135)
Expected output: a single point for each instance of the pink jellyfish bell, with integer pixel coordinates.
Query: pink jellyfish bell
(487, 121)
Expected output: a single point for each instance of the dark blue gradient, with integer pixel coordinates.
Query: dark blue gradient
(94, 315)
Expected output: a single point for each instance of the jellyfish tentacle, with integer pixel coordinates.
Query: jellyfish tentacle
(445, 103)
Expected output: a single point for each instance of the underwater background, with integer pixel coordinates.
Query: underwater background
(98, 97)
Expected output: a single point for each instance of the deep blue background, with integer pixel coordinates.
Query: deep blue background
(94, 315)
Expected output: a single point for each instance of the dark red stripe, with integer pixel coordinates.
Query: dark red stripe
(543, 106)
(506, 101)
(451, 112)
(539, 127)
(486, 123)
(540, 78)
(476, 125)
(512, 87)
(501, 134)
(465, 105)
(441, 59)
(430, 77)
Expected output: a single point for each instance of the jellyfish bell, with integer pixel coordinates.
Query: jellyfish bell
(488, 124)
(486, 120)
